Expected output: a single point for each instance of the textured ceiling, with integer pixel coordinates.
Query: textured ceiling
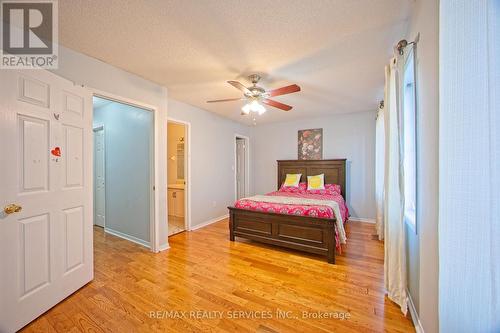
(334, 49)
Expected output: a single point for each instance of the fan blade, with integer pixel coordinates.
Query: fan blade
(278, 105)
(239, 86)
(284, 90)
(225, 100)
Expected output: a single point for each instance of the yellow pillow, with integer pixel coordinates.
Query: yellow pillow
(292, 179)
(316, 182)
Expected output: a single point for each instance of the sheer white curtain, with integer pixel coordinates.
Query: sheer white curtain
(380, 171)
(469, 166)
(395, 255)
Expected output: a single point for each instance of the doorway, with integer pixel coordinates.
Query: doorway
(177, 176)
(241, 169)
(124, 169)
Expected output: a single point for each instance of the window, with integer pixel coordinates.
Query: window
(409, 136)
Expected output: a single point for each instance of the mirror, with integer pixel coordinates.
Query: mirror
(180, 161)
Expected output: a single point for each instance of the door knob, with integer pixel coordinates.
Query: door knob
(12, 208)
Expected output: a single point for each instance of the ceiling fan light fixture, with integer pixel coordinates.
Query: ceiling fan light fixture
(245, 109)
(253, 106)
(256, 95)
(261, 110)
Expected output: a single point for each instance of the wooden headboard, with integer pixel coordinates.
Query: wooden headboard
(334, 170)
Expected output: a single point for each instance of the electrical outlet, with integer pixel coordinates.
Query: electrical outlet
(214, 203)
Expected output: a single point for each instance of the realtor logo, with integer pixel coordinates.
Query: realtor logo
(29, 34)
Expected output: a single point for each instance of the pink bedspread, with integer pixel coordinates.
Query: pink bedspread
(302, 210)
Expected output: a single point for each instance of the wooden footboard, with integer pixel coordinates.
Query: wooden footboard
(313, 235)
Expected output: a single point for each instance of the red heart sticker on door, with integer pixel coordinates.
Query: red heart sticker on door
(56, 151)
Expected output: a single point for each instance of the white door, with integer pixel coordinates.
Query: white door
(46, 233)
(240, 168)
(99, 178)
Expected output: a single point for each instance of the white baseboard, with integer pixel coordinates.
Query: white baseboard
(414, 314)
(127, 237)
(164, 247)
(362, 219)
(204, 224)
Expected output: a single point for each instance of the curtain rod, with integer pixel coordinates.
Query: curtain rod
(403, 43)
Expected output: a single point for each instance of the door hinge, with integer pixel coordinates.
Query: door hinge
(154, 188)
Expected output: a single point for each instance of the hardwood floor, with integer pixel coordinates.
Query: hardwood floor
(204, 271)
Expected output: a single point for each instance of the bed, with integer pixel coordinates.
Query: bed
(311, 229)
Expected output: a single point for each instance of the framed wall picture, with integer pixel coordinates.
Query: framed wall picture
(310, 144)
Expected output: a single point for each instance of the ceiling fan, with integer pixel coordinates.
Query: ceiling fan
(256, 95)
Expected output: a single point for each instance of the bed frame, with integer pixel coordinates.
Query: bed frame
(309, 234)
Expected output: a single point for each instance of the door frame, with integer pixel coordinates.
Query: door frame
(187, 171)
(154, 242)
(95, 129)
(247, 165)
